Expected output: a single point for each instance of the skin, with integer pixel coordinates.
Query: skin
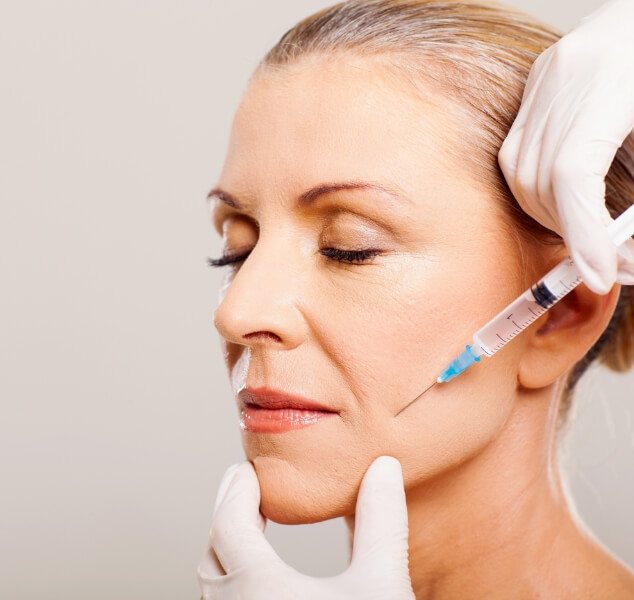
(487, 517)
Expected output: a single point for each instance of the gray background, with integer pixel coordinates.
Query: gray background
(117, 420)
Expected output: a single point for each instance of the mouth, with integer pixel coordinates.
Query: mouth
(264, 410)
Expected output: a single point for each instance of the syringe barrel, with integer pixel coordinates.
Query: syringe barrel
(533, 303)
(528, 307)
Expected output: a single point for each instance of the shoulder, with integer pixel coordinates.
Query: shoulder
(620, 579)
(610, 576)
(582, 568)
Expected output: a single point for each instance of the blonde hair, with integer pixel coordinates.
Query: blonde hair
(480, 54)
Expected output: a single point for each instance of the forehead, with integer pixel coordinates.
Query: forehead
(325, 118)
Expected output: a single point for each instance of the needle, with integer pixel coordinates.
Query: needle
(414, 400)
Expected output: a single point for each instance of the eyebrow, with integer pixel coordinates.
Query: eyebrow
(313, 193)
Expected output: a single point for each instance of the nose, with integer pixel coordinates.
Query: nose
(261, 303)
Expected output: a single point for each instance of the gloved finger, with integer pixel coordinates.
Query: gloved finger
(224, 484)
(625, 273)
(209, 565)
(237, 531)
(587, 238)
(532, 88)
(239, 584)
(558, 126)
(579, 187)
(508, 155)
(266, 582)
(381, 529)
(535, 200)
(526, 190)
(580, 200)
(556, 129)
(551, 95)
(533, 197)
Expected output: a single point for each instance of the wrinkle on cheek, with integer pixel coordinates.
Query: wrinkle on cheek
(394, 364)
(353, 339)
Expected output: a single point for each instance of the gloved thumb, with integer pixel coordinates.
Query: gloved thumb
(209, 565)
(237, 530)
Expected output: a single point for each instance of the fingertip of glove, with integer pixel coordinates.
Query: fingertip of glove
(387, 468)
(226, 481)
(595, 277)
(230, 473)
(238, 470)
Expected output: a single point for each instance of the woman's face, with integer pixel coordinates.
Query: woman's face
(363, 339)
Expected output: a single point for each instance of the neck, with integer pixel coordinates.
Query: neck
(474, 531)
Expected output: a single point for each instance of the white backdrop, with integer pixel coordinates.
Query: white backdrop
(116, 416)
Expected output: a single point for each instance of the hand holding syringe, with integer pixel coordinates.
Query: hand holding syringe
(526, 309)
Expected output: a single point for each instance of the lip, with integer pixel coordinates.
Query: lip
(265, 410)
(269, 398)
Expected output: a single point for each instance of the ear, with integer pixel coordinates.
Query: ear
(562, 336)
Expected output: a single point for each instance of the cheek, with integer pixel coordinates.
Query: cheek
(452, 423)
(392, 331)
(399, 336)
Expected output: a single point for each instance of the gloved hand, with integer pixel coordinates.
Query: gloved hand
(577, 109)
(240, 562)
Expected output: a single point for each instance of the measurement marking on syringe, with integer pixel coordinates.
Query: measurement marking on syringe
(565, 287)
(512, 321)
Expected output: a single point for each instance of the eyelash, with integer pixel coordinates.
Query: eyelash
(345, 256)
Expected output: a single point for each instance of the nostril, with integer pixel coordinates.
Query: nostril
(262, 334)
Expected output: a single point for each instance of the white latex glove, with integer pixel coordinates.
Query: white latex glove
(240, 562)
(577, 109)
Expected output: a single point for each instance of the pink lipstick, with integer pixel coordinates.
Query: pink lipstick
(264, 410)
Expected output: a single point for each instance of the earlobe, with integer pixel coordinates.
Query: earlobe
(564, 335)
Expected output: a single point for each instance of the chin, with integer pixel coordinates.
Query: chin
(291, 496)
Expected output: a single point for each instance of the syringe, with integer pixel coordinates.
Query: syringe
(528, 307)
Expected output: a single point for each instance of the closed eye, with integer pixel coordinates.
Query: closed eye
(345, 256)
